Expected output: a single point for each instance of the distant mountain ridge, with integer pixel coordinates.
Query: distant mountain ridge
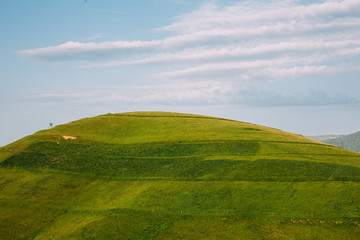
(323, 138)
(350, 142)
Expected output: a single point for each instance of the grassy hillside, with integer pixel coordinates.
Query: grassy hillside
(157, 175)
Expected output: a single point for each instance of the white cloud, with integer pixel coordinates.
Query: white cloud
(189, 93)
(96, 36)
(88, 51)
(260, 13)
(320, 50)
(203, 93)
(247, 42)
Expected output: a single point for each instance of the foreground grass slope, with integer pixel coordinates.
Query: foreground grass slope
(157, 175)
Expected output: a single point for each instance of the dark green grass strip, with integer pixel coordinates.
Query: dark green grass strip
(176, 160)
(178, 149)
(191, 168)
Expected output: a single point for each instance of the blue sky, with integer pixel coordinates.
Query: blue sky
(292, 65)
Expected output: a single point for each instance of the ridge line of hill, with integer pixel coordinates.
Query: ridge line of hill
(170, 116)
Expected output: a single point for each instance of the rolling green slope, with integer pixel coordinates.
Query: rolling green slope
(158, 175)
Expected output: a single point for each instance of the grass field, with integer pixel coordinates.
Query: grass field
(157, 175)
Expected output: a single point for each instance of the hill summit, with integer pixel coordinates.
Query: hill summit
(175, 176)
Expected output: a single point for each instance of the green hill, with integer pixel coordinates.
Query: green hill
(158, 175)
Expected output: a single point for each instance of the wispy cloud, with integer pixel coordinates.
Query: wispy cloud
(96, 36)
(76, 51)
(190, 93)
(265, 14)
(320, 50)
(216, 54)
(245, 41)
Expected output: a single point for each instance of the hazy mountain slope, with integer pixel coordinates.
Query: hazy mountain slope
(156, 175)
(349, 142)
(323, 138)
